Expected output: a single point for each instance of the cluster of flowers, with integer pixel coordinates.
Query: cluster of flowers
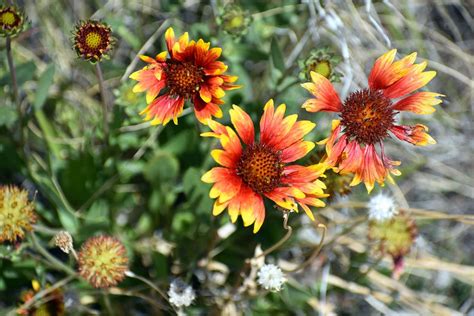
(252, 167)
(256, 167)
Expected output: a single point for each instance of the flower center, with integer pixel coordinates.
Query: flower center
(184, 78)
(367, 115)
(322, 67)
(8, 18)
(260, 168)
(93, 40)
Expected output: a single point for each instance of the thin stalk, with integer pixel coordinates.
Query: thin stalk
(281, 241)
(108, 304)
(105, 100)
(16, 97)
(315, 252)
(130, 274)
(55, 262)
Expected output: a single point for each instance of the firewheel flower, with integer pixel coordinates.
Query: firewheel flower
(17, 214)
(12, 21)
(262, 168)
(92, 40)
(368, 115)
(103, 261)
(188, 70)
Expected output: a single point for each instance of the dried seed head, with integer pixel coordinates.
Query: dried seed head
(103, 261)
(395, 236)
(17, 214)
(63, 240)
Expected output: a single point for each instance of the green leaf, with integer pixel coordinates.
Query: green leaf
(8, 116)
(129, 36)
(163, 167)
(277, 55)
(68, 221)
(24, 72)
(44, 83)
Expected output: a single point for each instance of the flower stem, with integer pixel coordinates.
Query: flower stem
(105, 101)
(281, 241)
(16, 98)
(316, 251)
(130, 274)
(55, 262)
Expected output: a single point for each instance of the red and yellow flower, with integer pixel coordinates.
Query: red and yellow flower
(12, 21)
(188, 70)
(93, 40)
(259, 169)
(368, 115)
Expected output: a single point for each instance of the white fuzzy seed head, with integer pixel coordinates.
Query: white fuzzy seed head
(381, 208)
(181, 294)
(271, 278)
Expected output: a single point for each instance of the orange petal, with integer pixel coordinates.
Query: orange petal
(326, 98)
(295, 134)
(353, 158)
(205, 111)
(296, 151)
(163, 109)
(412, 81)
(217, 129)
(385, 72)
(243, 124)
(170, 39)
(224, 158)
(420, 103)
(226, 186)
(271, 122)
(372, 169)
(215, 68)
(205, 94)
(161, 57)
(147, 59)
(415, 135)
(231, 143)
(219, 207)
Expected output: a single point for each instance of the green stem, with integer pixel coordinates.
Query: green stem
(105, 101)
(55, 262)
(16, 97)
(130, 274)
